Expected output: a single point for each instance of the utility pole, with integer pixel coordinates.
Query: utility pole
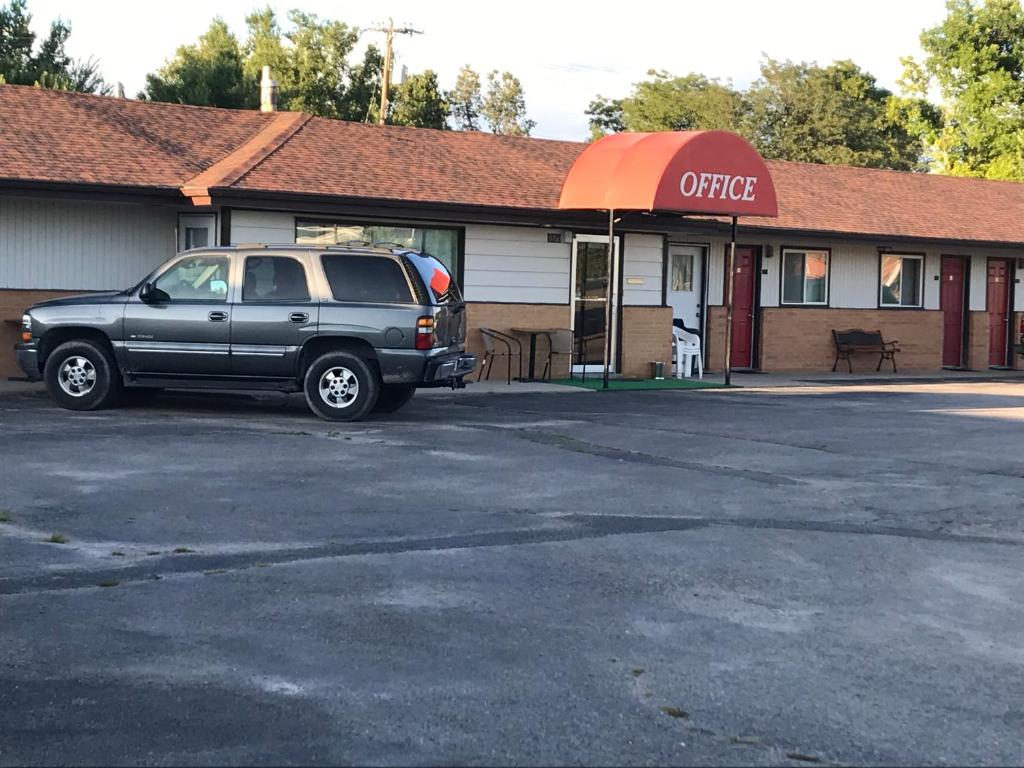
(385, 84)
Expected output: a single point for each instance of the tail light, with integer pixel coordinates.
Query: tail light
(425, 332)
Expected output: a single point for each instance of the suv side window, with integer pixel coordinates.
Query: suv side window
(373, 279)
(274, 278)
(196, 278)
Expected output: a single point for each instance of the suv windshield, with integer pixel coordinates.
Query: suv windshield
(439, 282)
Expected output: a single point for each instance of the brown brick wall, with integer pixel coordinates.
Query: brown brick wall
(714, 347)
(977, 344)
(1018, 339)
(13, 304)
(646, 338)
(504, 317)
(646, 335)
(800, 339)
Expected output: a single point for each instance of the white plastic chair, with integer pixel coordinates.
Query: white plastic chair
(687, 348)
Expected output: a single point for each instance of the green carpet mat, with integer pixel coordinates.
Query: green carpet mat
(595, 382)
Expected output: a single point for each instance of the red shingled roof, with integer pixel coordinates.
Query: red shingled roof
(73, 138)
(397, 163)
(63, 137)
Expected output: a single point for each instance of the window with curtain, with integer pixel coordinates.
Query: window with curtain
(804, 276)
(440, 242)
(901, 283)
(682, 271)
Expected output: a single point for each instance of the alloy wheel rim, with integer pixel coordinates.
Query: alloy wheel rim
(338, 387)
(77, 376)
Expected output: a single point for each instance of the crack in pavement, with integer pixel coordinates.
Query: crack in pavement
(566, 443)
(581, 527)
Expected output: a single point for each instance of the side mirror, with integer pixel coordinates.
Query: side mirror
(152, 295)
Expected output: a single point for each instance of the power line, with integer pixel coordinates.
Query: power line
(385, 86)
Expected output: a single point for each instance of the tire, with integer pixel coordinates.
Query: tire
(82, 376)
(393, 397)
(341, 386)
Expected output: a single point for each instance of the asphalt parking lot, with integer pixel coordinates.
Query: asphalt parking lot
(801, 576)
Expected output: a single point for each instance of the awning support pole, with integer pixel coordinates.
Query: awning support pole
(609, 295)
(730, 261)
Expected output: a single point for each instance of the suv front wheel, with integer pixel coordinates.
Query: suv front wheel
(340, 386)
(82, 376)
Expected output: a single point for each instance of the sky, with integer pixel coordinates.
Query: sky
(565, 52)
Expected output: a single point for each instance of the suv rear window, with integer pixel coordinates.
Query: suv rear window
(366, 279)
(436, 277)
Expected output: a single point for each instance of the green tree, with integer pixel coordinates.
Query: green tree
(209, 73)
(836, 114)
(309, 61)
(465, 100)
(605, 116)
(323, 82)
(976, 59)
(504, 105)
(418, 101)
(667, 103)
(49, 65)
(264, 46)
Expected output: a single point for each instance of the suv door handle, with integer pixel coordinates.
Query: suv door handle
(218, 317)
(298, 317)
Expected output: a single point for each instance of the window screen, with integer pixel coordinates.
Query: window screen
(366, 279)
(274, 278)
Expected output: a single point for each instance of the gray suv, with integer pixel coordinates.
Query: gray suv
(356, 328)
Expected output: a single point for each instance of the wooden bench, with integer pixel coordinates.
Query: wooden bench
(857, 340)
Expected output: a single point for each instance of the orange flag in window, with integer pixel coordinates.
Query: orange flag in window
(440, 281)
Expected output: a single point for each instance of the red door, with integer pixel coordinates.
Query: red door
(951, 300)
(744, 280)
(998, 302)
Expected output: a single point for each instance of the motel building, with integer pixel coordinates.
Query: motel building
(95, 192)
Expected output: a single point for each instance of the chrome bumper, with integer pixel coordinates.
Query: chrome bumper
(453, 368)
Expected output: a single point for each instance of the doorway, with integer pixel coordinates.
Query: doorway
(744, 304)
(953, 303)
(997, 300)
(684, 291)
(593, 287)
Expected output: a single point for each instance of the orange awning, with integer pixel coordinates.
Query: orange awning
(701, 172)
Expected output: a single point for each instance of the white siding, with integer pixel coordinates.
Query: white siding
(853, 282)
(262, 227)
(642, 260)
(854, 271)
(61, 245)
(1018, 298)
(771, 277)
(716, 271)
(516, 264)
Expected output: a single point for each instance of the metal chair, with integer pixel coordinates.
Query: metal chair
(560, 342)
(687, 350)
(492, 337)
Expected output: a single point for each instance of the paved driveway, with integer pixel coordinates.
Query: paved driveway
(829, 575)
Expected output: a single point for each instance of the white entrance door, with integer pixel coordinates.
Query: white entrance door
(685, 263)
(592, 289)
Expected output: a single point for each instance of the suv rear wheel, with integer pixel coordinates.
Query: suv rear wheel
(394, 396)
(340, 386)
(82, 376)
